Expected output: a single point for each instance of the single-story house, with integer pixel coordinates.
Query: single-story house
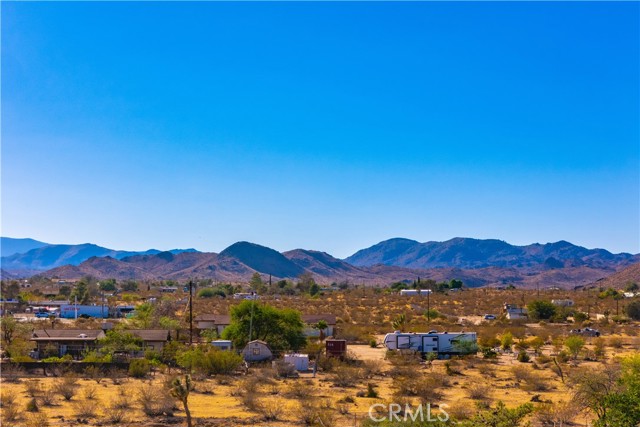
(66, 341)
(256, 351)
(213, 321)
(310, 320)
(153, 339)
(513, 312)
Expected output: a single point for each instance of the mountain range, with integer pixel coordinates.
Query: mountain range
(475, 262)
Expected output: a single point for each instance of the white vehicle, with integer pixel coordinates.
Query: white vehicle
(444, 344)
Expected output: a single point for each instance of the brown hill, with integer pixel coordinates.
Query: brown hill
(621, 278)
(241, 261)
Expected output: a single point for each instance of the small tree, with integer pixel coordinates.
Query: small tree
(574, 344)
(180, 390)
(506, 340)
(322, 327)
(633, 310)
(541, 310)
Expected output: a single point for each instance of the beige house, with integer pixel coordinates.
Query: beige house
(212, 321)
(74, 342)
(311, 320)
(153, 339)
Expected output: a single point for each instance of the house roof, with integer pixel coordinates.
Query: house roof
(218, 319)
(258, 342)
(151, 334)
(67, 334)
(311, 319)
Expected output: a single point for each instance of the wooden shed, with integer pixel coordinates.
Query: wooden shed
(257, 351)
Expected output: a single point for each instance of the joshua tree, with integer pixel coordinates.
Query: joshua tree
(181, 391)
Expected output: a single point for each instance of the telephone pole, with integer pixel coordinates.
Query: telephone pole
(190, 312)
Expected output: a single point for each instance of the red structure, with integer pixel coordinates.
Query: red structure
(336, 348)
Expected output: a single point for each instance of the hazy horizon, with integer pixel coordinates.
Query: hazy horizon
(325, 126)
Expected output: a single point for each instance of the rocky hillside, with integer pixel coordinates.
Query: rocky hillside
(474, 253)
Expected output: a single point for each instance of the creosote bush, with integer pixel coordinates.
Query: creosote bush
(155, 402)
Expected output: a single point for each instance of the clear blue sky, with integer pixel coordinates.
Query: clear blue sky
(328, 126)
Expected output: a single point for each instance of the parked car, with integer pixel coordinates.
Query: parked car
(588, 332)
(489, 317)
(44, 314)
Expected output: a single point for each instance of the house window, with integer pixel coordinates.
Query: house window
(150, 346)
(256, 351)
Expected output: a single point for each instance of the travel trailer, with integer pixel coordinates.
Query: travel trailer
(443, 344)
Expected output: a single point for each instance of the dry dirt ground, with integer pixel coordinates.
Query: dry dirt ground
(215, 402)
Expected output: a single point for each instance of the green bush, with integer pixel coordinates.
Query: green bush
(523, 357)
(139, 368)
(211, 362)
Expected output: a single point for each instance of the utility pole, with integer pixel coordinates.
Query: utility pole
(190, 312)
(428, 306)
(253, 303)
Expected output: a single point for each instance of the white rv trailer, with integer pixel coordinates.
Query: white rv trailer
(444, 344)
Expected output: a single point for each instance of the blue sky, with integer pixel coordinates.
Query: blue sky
(328, 126)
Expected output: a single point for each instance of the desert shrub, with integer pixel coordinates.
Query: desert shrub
(37, 420)
(371, 391)
(615, 342)
(122, 402)
(12, 373)
(139, 368)
(32, 387)
(344, 376)
(523, 357)
(93, 373)
(10, 413)
(284, 369)
(563, 357)
(314, 416)
(479, 391)
(48, 396)
(488, 353)
(372, 368)
(298, 390)
(211, 362)
(250, 400)
(7, 397)
(543, 360)
(85, 409)
(89, 392)
(32, 405)
(116, 415)
(530, 381)
(422, 387)
(557, 414)
(451, 368)
(155, 402)
(66, 387)
(271, 410)
(487, 371)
